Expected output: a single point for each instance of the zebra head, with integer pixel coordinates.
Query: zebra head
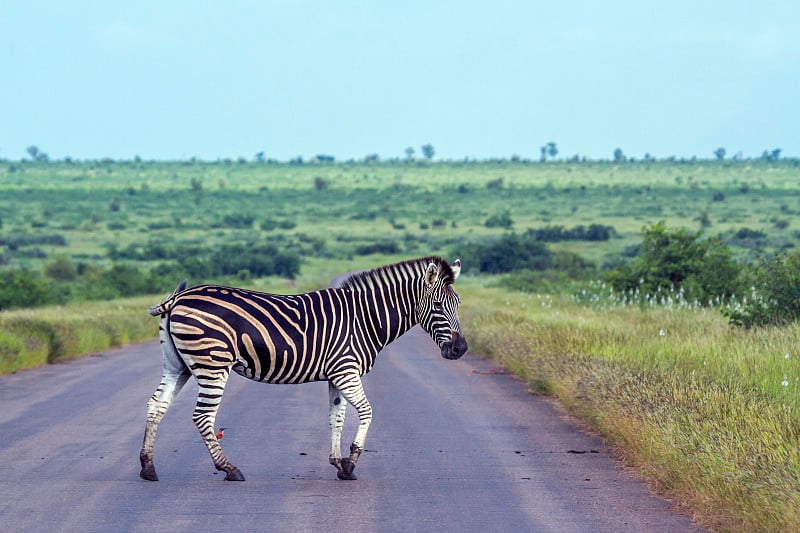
(437, 311)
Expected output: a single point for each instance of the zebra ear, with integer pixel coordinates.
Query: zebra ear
(431, 274)
(456, 267)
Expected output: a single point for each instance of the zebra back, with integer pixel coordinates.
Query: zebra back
(387, 275)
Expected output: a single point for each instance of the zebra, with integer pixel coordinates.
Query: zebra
(331, 335)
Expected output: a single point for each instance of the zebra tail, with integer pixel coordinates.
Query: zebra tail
(167, 304)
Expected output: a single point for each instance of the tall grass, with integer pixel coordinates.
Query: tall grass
(710, 414)
(30, 338)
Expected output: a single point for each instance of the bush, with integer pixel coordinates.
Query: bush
(23, 288)
(238, 221)
(747, 233)
(679, 260)
(595, 232)
(62, 269)
(18, 241)
(495, 184)
(258, 259)
(500, 220)
(510, 252)
(567, 267)
(388, 247)
(126, 280)
(775, 297)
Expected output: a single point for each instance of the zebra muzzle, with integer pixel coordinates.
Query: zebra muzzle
(456, 347)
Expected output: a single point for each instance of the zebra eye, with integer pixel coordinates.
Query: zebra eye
(437, 306)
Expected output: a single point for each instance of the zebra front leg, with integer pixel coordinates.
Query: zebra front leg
(204, 417)
(337, 407)
(351, 389)
(171, 383)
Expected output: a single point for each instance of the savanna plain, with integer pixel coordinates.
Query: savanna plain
(705, 408)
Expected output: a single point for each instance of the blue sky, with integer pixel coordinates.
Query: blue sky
(179, 79)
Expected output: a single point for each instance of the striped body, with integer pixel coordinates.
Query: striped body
(282, 339)
(333, 334)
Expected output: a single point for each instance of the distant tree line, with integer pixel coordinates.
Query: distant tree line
(547, 152)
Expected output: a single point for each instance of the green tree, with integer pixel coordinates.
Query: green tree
(61, 269)
(677, 259)
(508, 253)
(720, 153)
(23, 288)
(36, 154)
(552, 150)
(428, 151)
(776, 293)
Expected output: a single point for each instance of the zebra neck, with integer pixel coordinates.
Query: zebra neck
(386, 313)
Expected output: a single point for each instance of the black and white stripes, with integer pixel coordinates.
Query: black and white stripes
(333, 334)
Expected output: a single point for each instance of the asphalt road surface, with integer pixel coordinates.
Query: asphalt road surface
(454, 446)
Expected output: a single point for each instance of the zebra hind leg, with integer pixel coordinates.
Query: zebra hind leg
(205, 413)
(172, 382)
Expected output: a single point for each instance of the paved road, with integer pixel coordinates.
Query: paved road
(454, 446)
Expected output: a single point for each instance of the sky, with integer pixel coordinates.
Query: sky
(228, 79)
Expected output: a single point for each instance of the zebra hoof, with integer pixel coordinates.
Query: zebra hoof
(234, 475)
(346, 471)
(148, 473)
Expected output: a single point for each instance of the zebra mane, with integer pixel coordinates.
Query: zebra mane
(369, 277)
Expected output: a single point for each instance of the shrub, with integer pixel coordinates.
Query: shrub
(258, 259)
(126, 280)
(500, 220)
(387, 247)
(495, 184)
(781, 223)
(270, 224)
(238, 221)
(23, 288)
(17, 241)
(679, 260)
(775, 297)
(61, 269)
(747, 233)
(595, 232)
(510, 252)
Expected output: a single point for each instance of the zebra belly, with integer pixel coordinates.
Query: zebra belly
(282, 362)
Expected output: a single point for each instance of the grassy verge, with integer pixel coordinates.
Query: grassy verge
(33, 337)
(709, 414)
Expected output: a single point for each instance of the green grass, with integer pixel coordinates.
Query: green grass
(30, 338)
(711, 415)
